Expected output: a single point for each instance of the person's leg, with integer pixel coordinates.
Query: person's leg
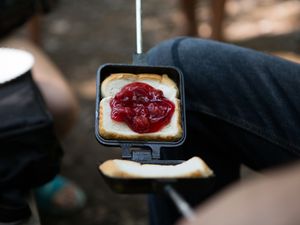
(217, 17)
(242, 107)
(189, 25)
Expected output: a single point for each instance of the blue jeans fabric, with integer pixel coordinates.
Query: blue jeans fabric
(242, 106)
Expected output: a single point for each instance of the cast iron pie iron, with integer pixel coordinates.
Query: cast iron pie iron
(148, 152)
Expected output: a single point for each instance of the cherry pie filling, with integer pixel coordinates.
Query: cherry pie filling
(143, 108)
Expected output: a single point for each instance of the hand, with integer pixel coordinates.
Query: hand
(270, 200)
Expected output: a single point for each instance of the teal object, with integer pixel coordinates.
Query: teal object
(45, 194)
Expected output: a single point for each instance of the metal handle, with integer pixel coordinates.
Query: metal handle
(138, 15)
(139, 58)
(183, 207)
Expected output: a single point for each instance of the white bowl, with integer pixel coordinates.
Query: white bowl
(14, 63)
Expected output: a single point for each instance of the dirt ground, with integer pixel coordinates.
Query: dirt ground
(82, 35)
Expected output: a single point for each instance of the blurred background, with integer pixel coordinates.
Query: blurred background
(82, 35)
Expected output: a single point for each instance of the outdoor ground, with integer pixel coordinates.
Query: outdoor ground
(82, 35)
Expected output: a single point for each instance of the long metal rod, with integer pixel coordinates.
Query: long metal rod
(138, 14)
(183, 207)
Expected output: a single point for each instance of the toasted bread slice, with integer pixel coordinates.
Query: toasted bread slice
(111, 129)
(114, 83)
(192, 168)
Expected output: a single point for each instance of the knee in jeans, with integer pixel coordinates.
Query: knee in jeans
(181, 51)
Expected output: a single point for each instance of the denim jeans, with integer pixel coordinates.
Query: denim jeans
(242, 107)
